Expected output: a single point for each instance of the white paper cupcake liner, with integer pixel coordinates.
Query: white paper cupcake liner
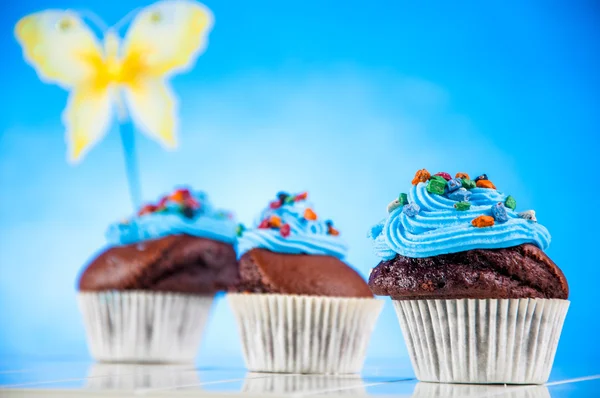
(510, 341)
(304, 334)
(439, 390)
(139, 326)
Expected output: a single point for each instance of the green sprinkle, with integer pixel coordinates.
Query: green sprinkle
(462, 206)
(288, 200)
(468, 184)
(436, 185)
(403, 199)
(240, 230)
(510, 202)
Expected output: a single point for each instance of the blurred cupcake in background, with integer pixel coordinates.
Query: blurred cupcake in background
(299, 307)
(146, 298)
(478, 299)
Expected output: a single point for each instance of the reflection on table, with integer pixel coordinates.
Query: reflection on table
(107, 376)
(435, 390)
(264, 383)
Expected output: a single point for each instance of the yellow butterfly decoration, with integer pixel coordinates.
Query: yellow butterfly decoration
(129, 76)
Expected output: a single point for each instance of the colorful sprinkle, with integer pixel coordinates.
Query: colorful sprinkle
(462, 206)
(147, 209)
(460, 195)
(421, 176)
(403, 199)
(191, 203)
(275, 204)
(468, 184)
(411, 209)
(436, 185)
(301, 196)
(483, 221)
(285, 230)
(481, 177)
(264, 224)
(162, 202)
(333, 232)
(239, 230)
(528, 215)
(282, 196)
(393, 205)
(275, 221)
(180, 195)
(485, 184)
(499, 212)
(462, 176)
(289, 199)
(310, 215)
(444, 175)
(188, 212)
(454, 184)
(510, 202)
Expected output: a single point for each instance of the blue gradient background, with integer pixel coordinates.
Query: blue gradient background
(344, 100)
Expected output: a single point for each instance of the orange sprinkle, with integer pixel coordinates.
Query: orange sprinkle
(275, 221)
(483, 221)
(333, 231)
(485, 184)
(421, 176)
(177, 196)
(464, 176)
(310, 215)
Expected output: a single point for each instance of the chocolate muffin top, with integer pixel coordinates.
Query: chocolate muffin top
(292, 250)
(176, 263)
(180, 244)
(523, 271)
(462, 238)
(264, 271)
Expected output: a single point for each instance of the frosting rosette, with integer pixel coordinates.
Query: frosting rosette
(289, 225)
(441, 215)
(181, 212)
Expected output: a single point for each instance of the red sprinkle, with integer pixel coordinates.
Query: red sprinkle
(445, 176)
(264, 224)
(285, 230)
(147, 210)
(275, 204)
(191, 202)
(301, 196)
(163, 202)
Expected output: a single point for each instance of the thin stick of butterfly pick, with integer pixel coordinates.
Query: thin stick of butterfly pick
(126, 131)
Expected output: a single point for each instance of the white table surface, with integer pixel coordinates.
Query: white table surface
(68, 378)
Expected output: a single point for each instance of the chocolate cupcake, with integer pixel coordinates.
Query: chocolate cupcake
(146, 297)
(299, 307)
(477, 298)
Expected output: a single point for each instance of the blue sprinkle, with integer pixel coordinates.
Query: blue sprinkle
(454, 184)
(499, 212)
(460, 195)
(411, 209)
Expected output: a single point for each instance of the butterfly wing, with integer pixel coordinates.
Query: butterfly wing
(63, 50)
(59, 46)
(152, 104)
(167, 37)
(163, 39)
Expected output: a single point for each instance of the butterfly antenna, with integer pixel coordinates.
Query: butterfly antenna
(126, 19)
(94, 19)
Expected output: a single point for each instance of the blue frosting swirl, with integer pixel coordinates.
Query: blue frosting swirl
(305, 237)
(203, 222)
(438, 228)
